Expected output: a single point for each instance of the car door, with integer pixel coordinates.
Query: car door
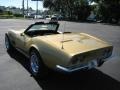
(20, 41)
(23, 42)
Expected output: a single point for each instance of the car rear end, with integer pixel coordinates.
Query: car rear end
(85, 54)
(87, 60)
(77, 51)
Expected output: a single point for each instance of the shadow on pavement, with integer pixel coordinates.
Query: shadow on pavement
(90, 80)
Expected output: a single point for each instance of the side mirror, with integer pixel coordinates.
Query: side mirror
(22, 34)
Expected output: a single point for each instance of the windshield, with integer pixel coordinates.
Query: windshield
(43, 27)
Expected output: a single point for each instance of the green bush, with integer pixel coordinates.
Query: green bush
(6, 16)
(18, 15)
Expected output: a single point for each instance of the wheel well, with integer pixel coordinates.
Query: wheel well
(10, 40)
(6, 35)
(33, 48)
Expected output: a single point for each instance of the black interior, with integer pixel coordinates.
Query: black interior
(41, 32)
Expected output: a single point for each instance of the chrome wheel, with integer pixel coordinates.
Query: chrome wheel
(7, 43)
(37, 67)
(34, 63)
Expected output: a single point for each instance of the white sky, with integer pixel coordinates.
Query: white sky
(18, 3)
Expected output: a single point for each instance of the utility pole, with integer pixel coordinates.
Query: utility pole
(36, 8)
(23, 7)
(27, 8)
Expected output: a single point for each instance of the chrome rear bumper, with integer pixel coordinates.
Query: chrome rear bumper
(89, 65)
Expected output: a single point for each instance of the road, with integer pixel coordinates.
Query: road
(14, 71)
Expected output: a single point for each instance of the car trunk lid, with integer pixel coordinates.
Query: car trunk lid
(75, 43)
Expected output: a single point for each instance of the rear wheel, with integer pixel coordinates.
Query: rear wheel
(37, 67)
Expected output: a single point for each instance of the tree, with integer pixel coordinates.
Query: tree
(72, 9)
(48, 3)
(108, 10)
(1, 11)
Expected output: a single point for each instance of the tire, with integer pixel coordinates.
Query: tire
(37, 67)
(8, 44)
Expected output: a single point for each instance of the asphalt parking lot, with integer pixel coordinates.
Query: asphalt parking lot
(14, 69)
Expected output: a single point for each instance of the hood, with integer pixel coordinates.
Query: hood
(74, 43)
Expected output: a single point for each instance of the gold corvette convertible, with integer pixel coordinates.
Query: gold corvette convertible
(46, 47)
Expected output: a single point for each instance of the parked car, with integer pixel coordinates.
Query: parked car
(30, 16)
(57, 17)
(54, 19)
(38, 17)
(48, 17)
(45, 47)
